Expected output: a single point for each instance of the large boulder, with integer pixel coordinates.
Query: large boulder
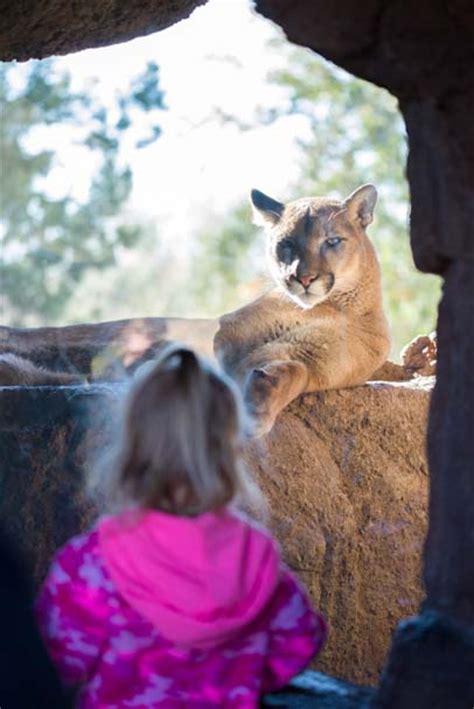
(344, 473)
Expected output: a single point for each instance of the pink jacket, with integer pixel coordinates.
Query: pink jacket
(153, 610)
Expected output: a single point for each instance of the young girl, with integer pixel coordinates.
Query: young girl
(177, 599)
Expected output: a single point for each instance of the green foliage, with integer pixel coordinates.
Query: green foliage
(224, 263)
(49, 243)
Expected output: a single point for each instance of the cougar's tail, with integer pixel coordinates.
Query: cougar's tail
(18, 371)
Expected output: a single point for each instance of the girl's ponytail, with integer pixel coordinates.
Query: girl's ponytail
(179, 358)
(191, 380)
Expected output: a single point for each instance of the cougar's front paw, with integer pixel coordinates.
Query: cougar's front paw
(260, 400)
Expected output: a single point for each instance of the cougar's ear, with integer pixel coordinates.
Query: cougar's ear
(266, 211)
(361, 204)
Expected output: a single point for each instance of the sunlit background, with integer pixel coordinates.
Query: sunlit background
(126, 172)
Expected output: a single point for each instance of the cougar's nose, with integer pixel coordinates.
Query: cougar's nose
(306, 280)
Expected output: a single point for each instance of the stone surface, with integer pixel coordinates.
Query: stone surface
(314, 690)
(431, 662)
(430, 665)
(449, 558)
(42, 451)
(105, 350)
(412, 50)
(346, 477)
(344, 472)
(39, 28)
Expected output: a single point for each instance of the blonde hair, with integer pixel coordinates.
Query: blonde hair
(182, 430)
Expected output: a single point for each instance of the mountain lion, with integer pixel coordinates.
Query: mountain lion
(323, 326)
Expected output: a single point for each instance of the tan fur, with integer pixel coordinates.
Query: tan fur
(17, 371)
(291, 341)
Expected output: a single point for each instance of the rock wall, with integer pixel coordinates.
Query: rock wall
(346, 476)
(344, 473)
(44, 434)
(39, 28)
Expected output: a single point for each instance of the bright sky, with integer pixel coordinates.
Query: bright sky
(218, 58)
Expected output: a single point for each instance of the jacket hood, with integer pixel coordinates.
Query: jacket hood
(198, 580)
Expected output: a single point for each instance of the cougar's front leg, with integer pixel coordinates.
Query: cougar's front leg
(231, 343)
(270, 388)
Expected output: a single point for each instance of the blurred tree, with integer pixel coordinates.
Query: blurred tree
(354, 134)
(48, 243)
(224, 273)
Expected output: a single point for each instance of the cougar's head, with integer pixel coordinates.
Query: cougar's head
(316, 245)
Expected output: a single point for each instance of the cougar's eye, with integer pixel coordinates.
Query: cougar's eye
(285, 251)
(333, 241)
